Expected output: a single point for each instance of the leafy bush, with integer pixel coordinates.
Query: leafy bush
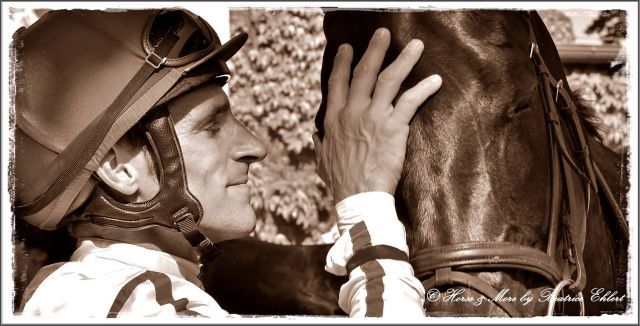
(275, 91)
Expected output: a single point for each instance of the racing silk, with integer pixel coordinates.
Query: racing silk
(381, 287)
(111, 279)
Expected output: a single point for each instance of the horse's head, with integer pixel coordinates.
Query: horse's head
(476, 168)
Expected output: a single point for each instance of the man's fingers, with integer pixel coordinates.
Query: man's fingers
(366, 72)
(409, 102)
(390, 79)
(339, 82)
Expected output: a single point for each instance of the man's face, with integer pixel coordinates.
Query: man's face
(217, 150)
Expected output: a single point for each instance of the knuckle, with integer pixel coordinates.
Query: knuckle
(344, 118)
(333, 103)
(334, 79)
(329, 134)
(367, 116)
(413, 98)
(409, 97)
(361, 69)
(386, 77)
(352, 118)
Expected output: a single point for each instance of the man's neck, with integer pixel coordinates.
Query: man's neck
(155, 238)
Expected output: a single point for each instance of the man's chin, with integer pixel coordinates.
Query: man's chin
(247, 229)
(242, 227)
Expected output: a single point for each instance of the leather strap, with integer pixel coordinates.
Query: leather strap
(582, 152)
(613, 203)
(576, 194)
(473, 256)
(622, 228)
(375, 252)
(187, 225)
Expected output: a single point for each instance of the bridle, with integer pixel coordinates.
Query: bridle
(574, 177)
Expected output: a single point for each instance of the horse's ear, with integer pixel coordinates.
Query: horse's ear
(548, 49)
(328, 9)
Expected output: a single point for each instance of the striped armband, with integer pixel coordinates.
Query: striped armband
(375, 252)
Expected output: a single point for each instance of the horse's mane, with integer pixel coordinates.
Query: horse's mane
(588, 115)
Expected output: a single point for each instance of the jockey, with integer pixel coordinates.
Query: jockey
(125, 136)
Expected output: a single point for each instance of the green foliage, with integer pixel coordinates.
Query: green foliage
(275, 91)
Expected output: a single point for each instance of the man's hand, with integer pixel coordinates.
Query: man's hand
(365, 135)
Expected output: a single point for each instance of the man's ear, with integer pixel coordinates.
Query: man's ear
(118, 174)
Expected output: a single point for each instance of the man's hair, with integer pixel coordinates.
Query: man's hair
(135, 139)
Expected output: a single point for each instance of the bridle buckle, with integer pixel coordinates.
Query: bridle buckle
(533, 47)
(160, 61)
(559, 85)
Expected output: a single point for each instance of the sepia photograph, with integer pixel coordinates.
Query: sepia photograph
(325, 162)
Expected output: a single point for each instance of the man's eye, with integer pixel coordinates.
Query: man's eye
(214, 125)
(213, 128)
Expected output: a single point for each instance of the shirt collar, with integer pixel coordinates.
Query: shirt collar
(137, 256)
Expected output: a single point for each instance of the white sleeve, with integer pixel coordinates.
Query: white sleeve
(381, 287)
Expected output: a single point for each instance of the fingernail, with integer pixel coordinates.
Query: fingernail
(415, 44)
(435, 79)
(379, 33)
(344, 48)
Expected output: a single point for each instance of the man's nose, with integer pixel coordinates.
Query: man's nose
(249, 148)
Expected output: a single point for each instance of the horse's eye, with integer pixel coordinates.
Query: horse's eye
(519, 108)
(513, 111)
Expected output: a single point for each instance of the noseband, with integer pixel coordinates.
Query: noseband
(573, 178)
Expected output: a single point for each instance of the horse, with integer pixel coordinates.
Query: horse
(33, 249)
(254, 277)
(509, 198)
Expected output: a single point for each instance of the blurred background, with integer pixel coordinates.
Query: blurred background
(275, 91)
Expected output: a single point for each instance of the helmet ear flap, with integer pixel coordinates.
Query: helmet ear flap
(174, 207)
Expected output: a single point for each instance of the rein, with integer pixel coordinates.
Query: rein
(573, 178)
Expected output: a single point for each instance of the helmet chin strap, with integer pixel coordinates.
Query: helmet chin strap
(174, 207)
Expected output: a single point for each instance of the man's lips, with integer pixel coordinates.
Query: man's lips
(238, 182)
